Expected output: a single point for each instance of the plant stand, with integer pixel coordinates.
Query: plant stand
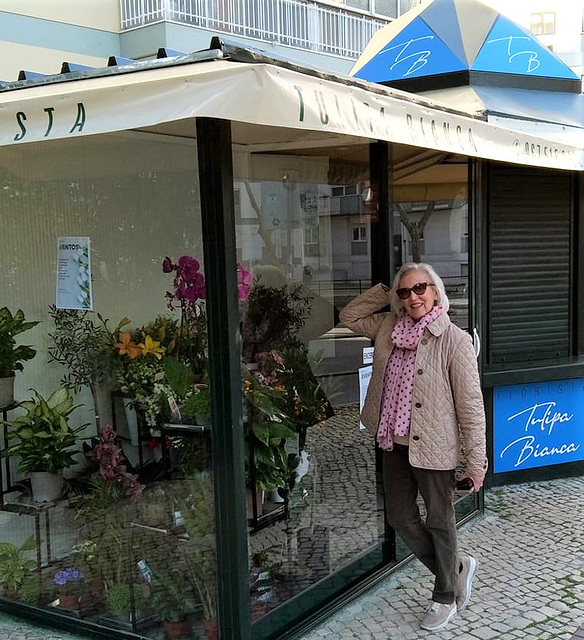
(6, 485)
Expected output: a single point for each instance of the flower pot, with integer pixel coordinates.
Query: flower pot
(132, 421)
(46, 487)
(69, 601)
(275, 497)
(6, 392)
(177, 630)
(211, 629)
(259, 501)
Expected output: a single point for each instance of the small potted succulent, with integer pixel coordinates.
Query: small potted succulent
(12, 355)
(126, 601)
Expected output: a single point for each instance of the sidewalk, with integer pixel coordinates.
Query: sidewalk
(530, 584)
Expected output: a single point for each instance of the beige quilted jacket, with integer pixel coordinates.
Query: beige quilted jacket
(447, 399)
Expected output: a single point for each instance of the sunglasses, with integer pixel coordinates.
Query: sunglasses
(419, 289)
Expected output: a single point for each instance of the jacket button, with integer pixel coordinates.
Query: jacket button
(418, 405)
(415, 437)
(425, 341)
(420, 372)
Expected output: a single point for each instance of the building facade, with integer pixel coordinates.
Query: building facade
(182, 232)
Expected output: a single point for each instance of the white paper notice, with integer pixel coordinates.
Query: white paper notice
(368, 355)
(74, 274)
(364, 378)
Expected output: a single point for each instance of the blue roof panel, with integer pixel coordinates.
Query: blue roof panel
(416, 51)
(510, 49)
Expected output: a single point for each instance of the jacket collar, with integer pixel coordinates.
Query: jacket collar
(439, 326)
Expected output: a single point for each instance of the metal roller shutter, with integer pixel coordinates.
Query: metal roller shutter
(529, 263)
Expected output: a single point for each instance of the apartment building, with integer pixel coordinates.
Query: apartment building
(39, 36)
(558, 23)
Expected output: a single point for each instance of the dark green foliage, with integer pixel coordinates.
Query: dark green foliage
(12, 356)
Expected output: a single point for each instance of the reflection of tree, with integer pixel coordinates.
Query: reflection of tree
(415, 228)
(265, 234)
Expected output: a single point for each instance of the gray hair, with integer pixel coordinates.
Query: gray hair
(397, 304)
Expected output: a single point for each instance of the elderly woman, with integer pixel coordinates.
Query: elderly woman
(424, 398)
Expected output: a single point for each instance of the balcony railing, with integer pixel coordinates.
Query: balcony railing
(303, 24)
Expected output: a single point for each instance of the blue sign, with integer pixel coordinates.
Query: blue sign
(415, 51)
(510, 49)
(539, 424)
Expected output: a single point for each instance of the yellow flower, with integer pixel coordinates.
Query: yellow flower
(153, 347)
(127, 346)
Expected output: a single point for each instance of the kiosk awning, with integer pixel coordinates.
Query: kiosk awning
(261, 93)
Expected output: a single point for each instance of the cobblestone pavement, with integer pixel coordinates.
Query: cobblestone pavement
(530, 584)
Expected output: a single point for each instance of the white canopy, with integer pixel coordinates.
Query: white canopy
(264, 94)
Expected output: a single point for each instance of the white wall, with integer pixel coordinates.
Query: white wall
(14, 57)
(97, 14)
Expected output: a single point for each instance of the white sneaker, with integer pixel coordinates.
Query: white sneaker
(465, 578)
(437, 616)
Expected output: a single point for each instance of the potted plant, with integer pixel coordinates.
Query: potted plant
(268, 464)
(11, 355)
(125, 600)
(196, 408)
(69, 584)
(173, 598)
(84, 346)
(198, 514)
(15, 566)
(44, 441)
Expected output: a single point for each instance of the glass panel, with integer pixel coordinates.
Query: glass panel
(302, 213)
(127, 541)
(430, 219)
(430, 224)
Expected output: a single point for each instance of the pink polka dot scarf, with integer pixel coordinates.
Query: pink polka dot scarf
(398, 383)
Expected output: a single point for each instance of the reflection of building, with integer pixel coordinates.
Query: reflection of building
(559, 25)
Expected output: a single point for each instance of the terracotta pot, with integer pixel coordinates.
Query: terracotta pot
(11, 595)
(176, 630)
(211, 629)
(69, 601)
(95, 591)
(6, 391)
(46, 487)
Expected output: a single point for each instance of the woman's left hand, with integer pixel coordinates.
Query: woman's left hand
(476, 479)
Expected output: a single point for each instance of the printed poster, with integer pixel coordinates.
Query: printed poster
(538, 424)
(364, 379)
(74, 274)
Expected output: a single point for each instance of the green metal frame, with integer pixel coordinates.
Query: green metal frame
(218, 221)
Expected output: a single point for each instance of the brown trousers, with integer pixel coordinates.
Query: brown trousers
(434, 541)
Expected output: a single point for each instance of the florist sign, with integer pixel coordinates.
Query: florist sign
(538, 424)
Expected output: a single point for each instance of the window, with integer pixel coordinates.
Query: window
(311, 241)
(543, 23)
(359, 240)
